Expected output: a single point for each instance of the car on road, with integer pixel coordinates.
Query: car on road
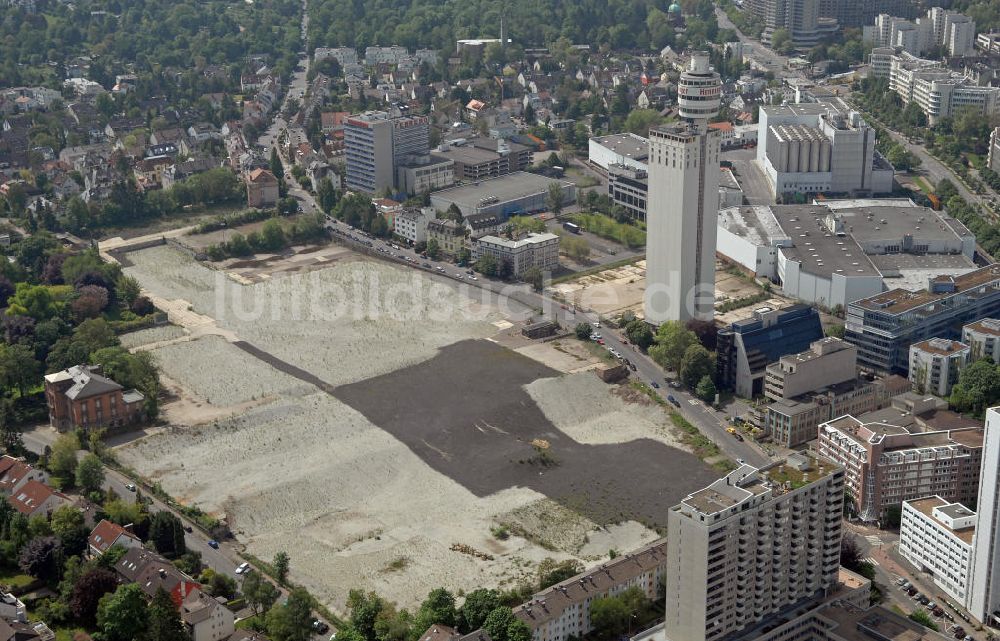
(130, 487)
(675, 384)
(319, 627)
(473, 277)
(597, 324)
(670, 397)
(655, 384)
(600, 341)
(739, 437)
(243, 567)
(212, 543)
(188, 528)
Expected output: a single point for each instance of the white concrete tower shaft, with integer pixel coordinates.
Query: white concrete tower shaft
(683, 203)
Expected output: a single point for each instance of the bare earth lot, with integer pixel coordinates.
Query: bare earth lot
(394, 437)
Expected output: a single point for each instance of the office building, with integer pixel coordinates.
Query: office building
(820, 147)
(982, 338)
(628, 187)
(746, 347)
(420, 173)
(534, 250)
(912, 449)
(938, 91)
(935, 365)
(828, 361)
(485, 158)
(683, 203)
(794, 421)
(984, 594)
(885, 325)
(801, 18)
(750, 545)
(411, 224)
(936, 537)
(626, 149)
(376, 143)
(562, 611)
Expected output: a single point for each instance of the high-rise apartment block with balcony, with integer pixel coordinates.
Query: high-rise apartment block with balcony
(750, 545)
(936, 363)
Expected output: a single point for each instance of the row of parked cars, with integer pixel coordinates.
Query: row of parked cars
(933, 609)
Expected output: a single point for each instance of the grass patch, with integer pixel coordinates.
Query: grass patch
(608, 228)
(924, 185)
(13, 578)
(501, 532)
(66, 634)
(596, 269)
(400, 563)
(745, 301)
(784, 474)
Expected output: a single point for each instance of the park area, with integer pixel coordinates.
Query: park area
(378, 425)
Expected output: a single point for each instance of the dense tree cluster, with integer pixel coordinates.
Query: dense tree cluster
(184, 34)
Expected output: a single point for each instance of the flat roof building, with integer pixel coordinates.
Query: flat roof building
(534, 250)
(746, 347)
(750, 545)
(935, 535)
(909, 450)
(884, 326)
(516, 193)
(982, 338)
(828, 361)
(935, 365)
(820, 147)
(836, 252)
(626, 149)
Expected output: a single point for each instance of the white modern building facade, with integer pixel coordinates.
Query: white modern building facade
(938, 91)
(821, 147)
(936, 537)
(411, 224)
(984, 595)
(683, 203)
(626, 149)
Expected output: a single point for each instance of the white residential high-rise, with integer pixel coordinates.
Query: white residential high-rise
(984, 592)
(750, 545)
(683, 203)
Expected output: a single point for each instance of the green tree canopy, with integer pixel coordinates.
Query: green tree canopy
(123, 615)
(696, 364)
(672, 341)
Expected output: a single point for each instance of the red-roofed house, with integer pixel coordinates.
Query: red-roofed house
(473, 109)
(728, 133)
(331, 121)
(36, 498)
(262, 188)
(14, 474)
(106, 535)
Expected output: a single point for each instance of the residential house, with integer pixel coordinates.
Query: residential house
(18, 631)
(262, 188)
(203, 132)
(12, 609)
(151, 572)
(149, 171)
(37, 499)
(449, 235)
(205, 618)
(485, 224)
(107, 535)
(81, 397)
(411, 224)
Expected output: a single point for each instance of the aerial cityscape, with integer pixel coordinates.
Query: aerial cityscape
(385, 320)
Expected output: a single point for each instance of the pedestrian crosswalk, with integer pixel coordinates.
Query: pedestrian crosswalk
(869, 559)
(873, 539)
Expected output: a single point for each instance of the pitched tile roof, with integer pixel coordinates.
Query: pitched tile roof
(105, 534)
(30, 497)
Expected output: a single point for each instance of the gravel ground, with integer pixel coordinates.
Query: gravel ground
(584, 408)
(315, 478)
(221, 374)
(151, 335)
(327, 321)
